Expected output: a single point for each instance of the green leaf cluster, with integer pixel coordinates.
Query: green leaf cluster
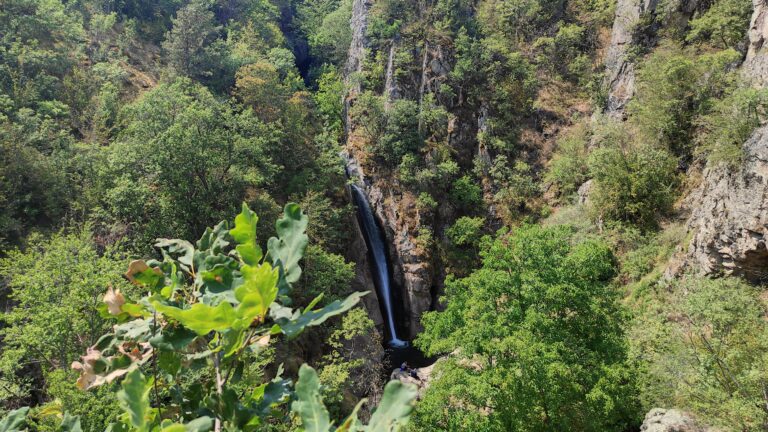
(536, 341)
(206, 308)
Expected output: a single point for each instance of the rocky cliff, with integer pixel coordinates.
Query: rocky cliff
(394, 208)
(728, 221)
(729, 218)
(619, 64)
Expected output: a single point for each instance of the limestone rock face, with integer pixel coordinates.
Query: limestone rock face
(663, 420)
(356, 53)
(729, 220)
(755, 67)
(619, 69)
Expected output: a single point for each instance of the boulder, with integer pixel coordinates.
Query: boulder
(424, 377)
(670, 420)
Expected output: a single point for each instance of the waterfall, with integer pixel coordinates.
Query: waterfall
(374, 239)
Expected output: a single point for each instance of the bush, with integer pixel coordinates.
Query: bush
(723, 131)
(703, 347)
(425, 202)
(325, 273)
(55, 286)
(466, 231)
(467, 193)
(673, 87)
(635, 185)
(401, 132)
(517, 187)
(568, 168)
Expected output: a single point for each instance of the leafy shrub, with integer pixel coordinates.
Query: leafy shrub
(325, 273)
(55, 286)
(466, 231)
(635, 185)
(214, 308)
(723, 131)
(673, 87)
(401, 132)
(425, 202)
(568, 168)
(467, 193)
(703, 347)
(516, 189)
(352, 367)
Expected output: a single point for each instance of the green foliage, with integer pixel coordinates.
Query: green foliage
(207, 306)
(635, 185)
(568, 168)
(326, 26)
(425, 202)
(309, 405)
(180, 148)
(467, 193)
(724, 130)
(702, 346)
(674, 86)
(56, 285)
(517, 188)
(563, 53)
(352, 367)
(192, 47)
(134, 399)
(466, 231)
(325, 273)
(329, 227)
(94, 409)
(723, 25)
(537, 341)
(328, 99)
(14, 420)
(400, 135)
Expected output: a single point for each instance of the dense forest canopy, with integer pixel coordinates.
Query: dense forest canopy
(530, 164)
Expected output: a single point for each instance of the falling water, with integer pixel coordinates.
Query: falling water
(375, 242)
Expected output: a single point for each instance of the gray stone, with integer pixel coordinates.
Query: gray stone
(664, 420)
(584, 190)
(729, 217)
(619, 68)
(755, 67)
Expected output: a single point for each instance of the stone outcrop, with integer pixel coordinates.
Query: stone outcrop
(619, 67)
(729, 210)
(356, 53)
(755, 67)
(664, 420)
(422, 380)
(729, 216)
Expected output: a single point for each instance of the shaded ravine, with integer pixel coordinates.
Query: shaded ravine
(374, 239)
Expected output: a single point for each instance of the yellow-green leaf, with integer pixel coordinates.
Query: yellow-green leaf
(201, 318)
